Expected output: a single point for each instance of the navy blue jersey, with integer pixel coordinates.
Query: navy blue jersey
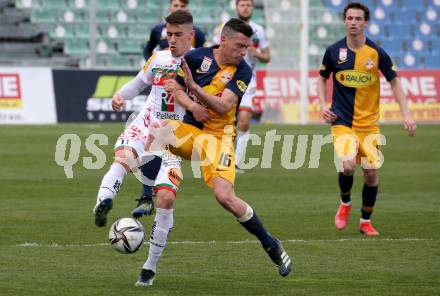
(158, 36)
(214, 79)
(356, 81)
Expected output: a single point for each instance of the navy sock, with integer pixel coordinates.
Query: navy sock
(345, 184)
(150, 169)
(369, 194)
(255, 226)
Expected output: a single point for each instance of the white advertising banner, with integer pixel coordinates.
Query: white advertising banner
(26, 96)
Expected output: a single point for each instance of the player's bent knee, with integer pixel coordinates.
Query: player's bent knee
(371, 177)
(127, 158)
(165, 199)
(243, 126)
(349, 168)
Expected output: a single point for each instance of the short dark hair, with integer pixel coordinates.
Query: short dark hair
(357, 5)
(186, 2)
(180, 17)
(238, 26)
(238, 1)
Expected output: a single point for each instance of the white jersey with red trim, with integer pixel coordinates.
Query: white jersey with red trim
(160, 67)
(159, 104)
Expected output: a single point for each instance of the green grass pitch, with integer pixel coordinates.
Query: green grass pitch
(50, 246)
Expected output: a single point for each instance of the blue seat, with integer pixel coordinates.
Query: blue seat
(403, 30)
(381, 34)
(387, 18)
(435, 42)
(337, 8)
(424, 18)
(392, 7)
(432, 61)
(405, 16)
(392, 45)
(414, 4)
(417, 61)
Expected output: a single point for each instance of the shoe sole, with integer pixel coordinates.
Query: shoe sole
(101, 212)
(340, 227)
(285, 271)
(144, 284)
(369, 234)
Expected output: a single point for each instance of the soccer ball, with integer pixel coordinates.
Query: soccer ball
(126, 235)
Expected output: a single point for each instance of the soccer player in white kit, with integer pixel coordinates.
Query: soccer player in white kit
(259, 50)
(159, 72)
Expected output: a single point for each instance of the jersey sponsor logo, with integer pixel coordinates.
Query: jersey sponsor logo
(369, 64)
(157, 76)
(225, 77)
(165, 115)
(206, 64)
(10, 91)
(175, 176)
(242, 86)
(167, 102)
(355, 78)
(160, 75)
(341, 62)
(343, 54)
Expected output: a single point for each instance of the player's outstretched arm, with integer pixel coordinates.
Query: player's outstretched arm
(219, 105)
(200, 113)
(118, 102)
(408, 121)
(325, 111)
(128, 92)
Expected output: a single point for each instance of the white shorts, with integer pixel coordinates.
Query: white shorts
(135, 135)
(170, 174)
(246, 103)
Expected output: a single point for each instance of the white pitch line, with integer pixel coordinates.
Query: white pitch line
(213, 242)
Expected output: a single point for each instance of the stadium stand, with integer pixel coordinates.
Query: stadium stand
(408, 30)
(57, 32)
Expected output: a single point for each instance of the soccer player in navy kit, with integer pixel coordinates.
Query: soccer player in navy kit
(158, 35)
(216, 78)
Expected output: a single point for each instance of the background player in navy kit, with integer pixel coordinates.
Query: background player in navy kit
(355, 62)
(158, 33)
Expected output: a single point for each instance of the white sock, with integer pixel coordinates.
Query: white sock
(240, 150)
(111, 182)
(364, 220)
(162, 226)
(247, 215)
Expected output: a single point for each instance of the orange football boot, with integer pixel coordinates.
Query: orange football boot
(366, 228)
(342, 216)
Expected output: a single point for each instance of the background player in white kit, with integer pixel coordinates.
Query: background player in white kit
(259, 50)
(159, 72)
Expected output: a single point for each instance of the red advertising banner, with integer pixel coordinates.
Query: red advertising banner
(280, 91)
